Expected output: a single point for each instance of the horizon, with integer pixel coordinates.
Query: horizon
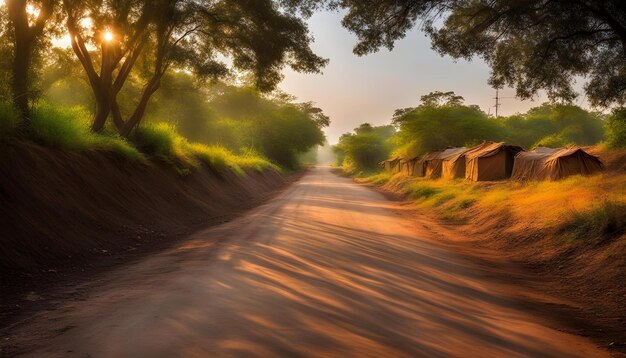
(354, 90)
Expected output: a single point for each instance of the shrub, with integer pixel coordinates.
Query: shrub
(553, 141)
(616, 128)
(418, 191)
(603, 220)
(61, 127)
(68, 128)
(163, 141)
(119, 146)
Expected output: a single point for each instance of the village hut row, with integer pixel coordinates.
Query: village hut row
(496, 161)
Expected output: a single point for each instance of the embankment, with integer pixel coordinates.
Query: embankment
(62, 208)
(571, 232)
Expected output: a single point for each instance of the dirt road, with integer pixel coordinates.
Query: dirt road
(328, 268)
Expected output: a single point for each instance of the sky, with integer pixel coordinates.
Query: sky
(353, 90)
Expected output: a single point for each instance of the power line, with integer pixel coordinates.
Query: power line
(498, 98)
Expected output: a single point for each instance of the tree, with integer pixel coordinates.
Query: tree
(27, 21)
(529, 44)
(616, 128)
(442, 120)
(438, 98)
(272, 124)
(365, 148)
(188, 35)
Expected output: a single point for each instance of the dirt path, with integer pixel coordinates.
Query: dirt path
(328, 268)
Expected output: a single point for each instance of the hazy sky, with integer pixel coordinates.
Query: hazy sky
(353, 89)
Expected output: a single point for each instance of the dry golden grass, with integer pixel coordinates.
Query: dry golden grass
(596, 203)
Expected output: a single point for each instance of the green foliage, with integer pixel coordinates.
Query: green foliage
(285, 133)
(554, 125)
(530, 45)
(202, 37)
(163, 141)
(616, 128)
(61, 127)
(365, 148)
(275, 127)
(435, 125)
(607, 218)
(68, 128)
(554, 141)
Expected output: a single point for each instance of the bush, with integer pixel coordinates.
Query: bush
(419, 191)
(61, 127)
(163, 141)
(553, 141)
(603, 220)
(616, 128)
(68, 128)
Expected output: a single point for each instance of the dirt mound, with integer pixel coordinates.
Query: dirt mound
(59, 207)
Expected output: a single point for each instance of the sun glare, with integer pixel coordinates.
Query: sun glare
(31, 10)
(108, 36)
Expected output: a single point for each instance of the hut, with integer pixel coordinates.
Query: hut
(405, 166)
(434, 168)
(413, 167)
(390, 164)
(432, 164)
(417, 167)
(453, 163)
(490, 161)
(554, 164)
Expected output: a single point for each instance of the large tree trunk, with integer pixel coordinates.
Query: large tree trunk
(103, 109)
(140, 110)
(25, 38)
(21, 60)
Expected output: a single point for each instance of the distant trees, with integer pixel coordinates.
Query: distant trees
(277, 127)
(442, 120)
(554, 125)
(616, 128)
(365, 148)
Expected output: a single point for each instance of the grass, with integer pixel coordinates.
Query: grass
(163, 141)
(581, 207)
(605, 219)
(68, 128)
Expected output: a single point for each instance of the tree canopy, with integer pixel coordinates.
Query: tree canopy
(115, 40)
(442, 120)
(529, 44)
(363, 149)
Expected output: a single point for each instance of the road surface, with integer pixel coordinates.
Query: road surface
(327, 268)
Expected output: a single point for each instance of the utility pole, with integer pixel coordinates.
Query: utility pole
(497, 101)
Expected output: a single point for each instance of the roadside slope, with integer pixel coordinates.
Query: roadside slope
(572, 232)
(63, 207)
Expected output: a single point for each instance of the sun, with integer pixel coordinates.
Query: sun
(108, 36)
